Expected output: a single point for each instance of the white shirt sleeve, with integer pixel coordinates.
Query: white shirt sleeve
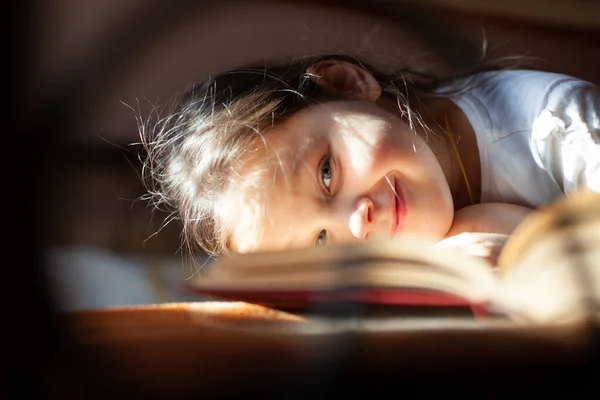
(565, 137)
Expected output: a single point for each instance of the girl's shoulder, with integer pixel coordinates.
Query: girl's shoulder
(513, 82)
(520, 95)
(550, 119)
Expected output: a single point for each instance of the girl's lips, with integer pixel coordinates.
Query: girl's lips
(399, 208)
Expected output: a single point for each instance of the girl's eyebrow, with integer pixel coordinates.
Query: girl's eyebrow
(299, 162)
(299, 157)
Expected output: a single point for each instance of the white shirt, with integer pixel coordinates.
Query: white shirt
(538, 134)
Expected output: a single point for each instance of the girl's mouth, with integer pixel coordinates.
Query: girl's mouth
(399, 209)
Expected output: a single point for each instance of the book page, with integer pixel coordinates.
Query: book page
(554, 269)
(406, 263)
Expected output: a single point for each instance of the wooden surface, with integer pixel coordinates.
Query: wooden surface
(178, 350)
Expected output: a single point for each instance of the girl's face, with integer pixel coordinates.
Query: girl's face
(338, 172)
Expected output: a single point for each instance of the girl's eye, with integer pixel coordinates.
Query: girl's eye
(326, 174)
(321, 238)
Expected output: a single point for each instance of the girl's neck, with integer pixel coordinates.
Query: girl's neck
(449, 123)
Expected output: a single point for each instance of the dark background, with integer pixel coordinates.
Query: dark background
(76, 62)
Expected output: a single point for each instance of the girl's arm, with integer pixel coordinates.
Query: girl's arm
(483, 229)
(499, 218)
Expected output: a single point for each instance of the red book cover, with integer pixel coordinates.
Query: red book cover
(305, 299)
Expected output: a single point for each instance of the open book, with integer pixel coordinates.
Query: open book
(549, 271)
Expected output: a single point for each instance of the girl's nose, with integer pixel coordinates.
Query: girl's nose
(361, 218)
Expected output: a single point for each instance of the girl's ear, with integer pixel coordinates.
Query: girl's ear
(343, 78)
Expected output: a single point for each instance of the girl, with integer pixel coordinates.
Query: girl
(326, 150)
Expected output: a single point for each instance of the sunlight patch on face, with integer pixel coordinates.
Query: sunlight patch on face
(242, 208)
(245, 208)
(362, 138)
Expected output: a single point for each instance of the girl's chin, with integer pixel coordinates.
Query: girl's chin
(436, 230)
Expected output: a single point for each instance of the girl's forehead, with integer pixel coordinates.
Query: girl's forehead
(252, 209)
(241, 205)
(256, 204)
